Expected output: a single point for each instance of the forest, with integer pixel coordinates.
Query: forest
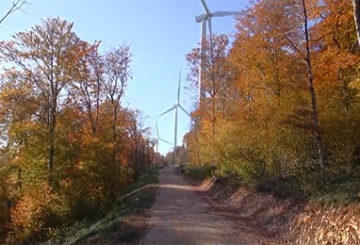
(280, 105)
(68, 146)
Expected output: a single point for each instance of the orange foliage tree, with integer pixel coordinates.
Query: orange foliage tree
(291, 105)
(68, 146)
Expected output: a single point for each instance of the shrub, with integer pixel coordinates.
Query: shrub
(36, 213)
(199, 172)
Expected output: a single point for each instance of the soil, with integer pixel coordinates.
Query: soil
(181, 216)
(222, 212)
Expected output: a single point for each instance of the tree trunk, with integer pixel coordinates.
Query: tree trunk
(52, 135)
(310, 75)
(52, 147)
(113, 157)
(137, 167)
(114, 135)
(356, 4)
(19, 184)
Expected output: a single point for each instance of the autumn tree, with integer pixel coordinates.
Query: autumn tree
(275, 29)
(293, 92)
(61, 119)
(215, 81)
(88, 89)
(335, 58)
(46, 55)
(310, 74)
(136, 131)
(116, 75)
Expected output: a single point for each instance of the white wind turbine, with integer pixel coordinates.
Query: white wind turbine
(176, 107)
(158, 138)
(203, 18)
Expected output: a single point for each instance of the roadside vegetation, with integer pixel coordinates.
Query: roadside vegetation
(282, 105)
(125, 222)
(278, 124)
(68, 147)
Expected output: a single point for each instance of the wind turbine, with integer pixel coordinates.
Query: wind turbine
(158, 138)
(203, 18)
(176, 107)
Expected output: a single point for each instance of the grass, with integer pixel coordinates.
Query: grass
(339, 192)
(119, 224)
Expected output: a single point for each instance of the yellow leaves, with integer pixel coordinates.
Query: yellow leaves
(45, 121)
(356, 85)
(328, 225)
(271, 121)
(36, 210)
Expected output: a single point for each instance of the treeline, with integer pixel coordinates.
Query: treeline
(282, 104)
(68, 146)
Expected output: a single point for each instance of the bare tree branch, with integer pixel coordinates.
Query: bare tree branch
(15, 6)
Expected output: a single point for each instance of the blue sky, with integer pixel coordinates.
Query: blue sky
(159, 32)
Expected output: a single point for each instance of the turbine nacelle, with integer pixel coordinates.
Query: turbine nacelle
(203, 17)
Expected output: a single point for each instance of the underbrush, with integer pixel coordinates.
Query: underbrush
(114, 220)
(280, 187)
(325, 190)
(197, 172)
(338, 191)
(331, 187)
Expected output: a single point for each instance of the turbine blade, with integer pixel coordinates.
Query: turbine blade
(200, 18)
(205, 6)
(157, 128)
(167, 142)
(172, 108)
(182, 108)
(224, 13)
(178, 94)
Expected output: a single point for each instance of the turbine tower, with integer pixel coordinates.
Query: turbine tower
(176, 107)
(203, 18)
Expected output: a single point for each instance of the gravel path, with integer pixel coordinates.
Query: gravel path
(181, 216)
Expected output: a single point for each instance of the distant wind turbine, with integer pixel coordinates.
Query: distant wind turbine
(203, 18)
(176, 107)
(158, 138)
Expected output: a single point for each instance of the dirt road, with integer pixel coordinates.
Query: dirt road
(181, 216)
